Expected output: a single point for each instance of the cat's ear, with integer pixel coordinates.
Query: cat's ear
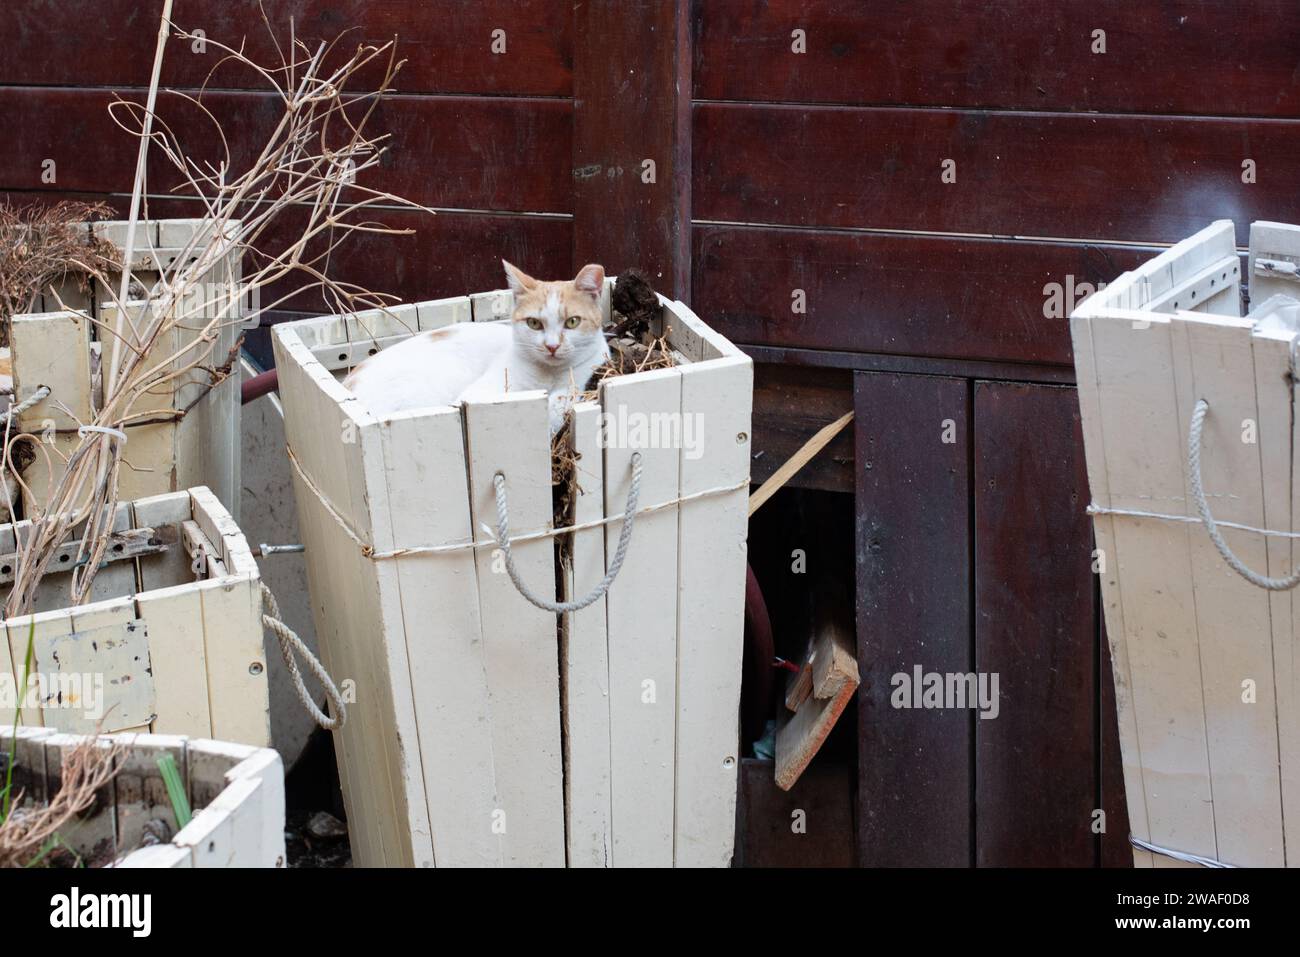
(519, 280)
(589, 279)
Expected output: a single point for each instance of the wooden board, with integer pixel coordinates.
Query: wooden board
(642, 623)
(832, 681)
(880, 168)
(585, 655)
(634, 214)
(447, 46)
(520, 646)
(913, 608)
(1144, 463)
(1120, 753)
(468, 177)
(1035, 761)
(1186, 56)
(711, 562)
(443, 635)
(967, 297)
(1211, 359)
(315, 420)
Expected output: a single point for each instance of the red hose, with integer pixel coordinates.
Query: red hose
(259, 386)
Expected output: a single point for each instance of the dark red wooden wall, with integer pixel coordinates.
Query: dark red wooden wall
(817, 175)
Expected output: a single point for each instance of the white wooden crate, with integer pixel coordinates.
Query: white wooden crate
(161, 648)
(1205, 681)
(453, 754)
(236, 793)
(58, 347)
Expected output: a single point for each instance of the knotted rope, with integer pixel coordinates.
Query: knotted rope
(624, 539)
(291, 644)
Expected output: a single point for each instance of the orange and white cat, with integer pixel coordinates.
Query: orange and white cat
(553, 342)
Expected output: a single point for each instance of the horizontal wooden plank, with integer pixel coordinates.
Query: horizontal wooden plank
(448, 254)
(911, 365)
(447, 44)
(500, 153)
(906, 295)
(1180, 56)
(1149, 179)
(790, 405)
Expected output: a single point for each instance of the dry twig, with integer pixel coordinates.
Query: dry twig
(28, 832)
(308, 173)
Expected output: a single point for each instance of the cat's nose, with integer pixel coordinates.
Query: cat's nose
(553, 348)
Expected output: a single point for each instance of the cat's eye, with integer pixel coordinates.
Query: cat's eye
(534, 323)
(572, 322)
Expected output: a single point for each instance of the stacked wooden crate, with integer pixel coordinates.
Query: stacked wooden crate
(170, 643)
(59, 348)
(453, 753)
(235, 791)
(1205, 677)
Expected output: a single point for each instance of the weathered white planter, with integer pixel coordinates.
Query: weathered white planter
(162, 648)
(452, 753)
(235, 791)
(60, 349)
(1204, 661)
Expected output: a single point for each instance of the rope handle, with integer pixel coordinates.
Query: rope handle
(1203, 507)
(624, 539)
(291, 644)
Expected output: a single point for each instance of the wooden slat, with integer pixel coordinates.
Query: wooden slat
(441, 632)
(585, 655)
(1192, 56)
(711, 532)
(1153, 635)
(632, 92)
(422, 165)
(880, 169)
(520, 646)
(915, 772)
(960, 297)
(642, 623)
(446, 43)
(1211, 360)
(310, 413)
(1116, 849)
(1271, 353)
(1035, 761)
(1120, 748)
